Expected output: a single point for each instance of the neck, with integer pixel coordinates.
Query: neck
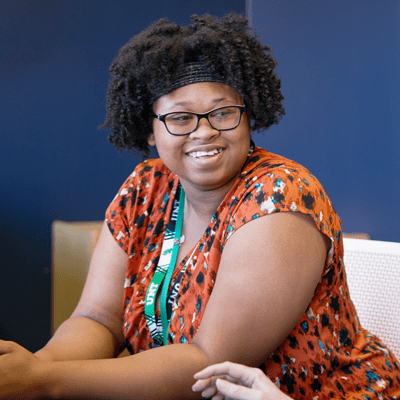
(203, 203)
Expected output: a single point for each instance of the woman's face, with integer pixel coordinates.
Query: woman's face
(181, 153)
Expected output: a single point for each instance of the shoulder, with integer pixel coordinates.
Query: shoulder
(144, 180)
(267, 167)
(148, 188)
(146, 173)
(271, 183)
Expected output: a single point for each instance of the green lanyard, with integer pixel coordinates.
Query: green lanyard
(163, 274)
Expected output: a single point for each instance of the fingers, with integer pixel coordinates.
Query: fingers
(218, 369)
(209, 392)
(231, 372)
(237, 382)
(214, 377)
(236, 392)
(234, 381)
(207, 387)
(201, 384)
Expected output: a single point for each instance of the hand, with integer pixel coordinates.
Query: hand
(19, 373)
(236, 382)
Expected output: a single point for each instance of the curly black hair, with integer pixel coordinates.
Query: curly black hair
(145, 65)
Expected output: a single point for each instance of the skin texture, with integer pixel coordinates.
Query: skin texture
(205, 174)
(236, 382)
(287, 257)
(205, 180)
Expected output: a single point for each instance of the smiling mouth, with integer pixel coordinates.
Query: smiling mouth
(201, 154)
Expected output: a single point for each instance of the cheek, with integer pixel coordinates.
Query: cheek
(169, 147)
(158, 137)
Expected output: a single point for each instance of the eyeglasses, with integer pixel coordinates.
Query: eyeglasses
(184, 122)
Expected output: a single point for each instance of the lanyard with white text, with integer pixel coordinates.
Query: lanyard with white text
(165, 268)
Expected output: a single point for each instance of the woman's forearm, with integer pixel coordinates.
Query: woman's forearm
(80, 338)
(162, 373)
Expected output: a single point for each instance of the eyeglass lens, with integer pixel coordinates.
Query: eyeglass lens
(224, 118)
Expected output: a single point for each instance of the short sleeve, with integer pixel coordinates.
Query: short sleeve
(117, 211)
(276, 184)
(131, 213)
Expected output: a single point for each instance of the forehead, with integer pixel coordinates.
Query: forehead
(198, 95)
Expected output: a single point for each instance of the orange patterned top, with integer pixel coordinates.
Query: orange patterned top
(328, 354)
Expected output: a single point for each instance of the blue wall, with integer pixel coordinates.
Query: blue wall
(55, 164)
(340, 67)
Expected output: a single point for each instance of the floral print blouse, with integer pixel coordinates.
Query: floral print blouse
(328, 354)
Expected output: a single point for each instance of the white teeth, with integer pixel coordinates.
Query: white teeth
(197, 154)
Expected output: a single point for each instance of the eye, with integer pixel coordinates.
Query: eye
(180, 118)
(224, 113)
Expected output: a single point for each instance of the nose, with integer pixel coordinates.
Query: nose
(204, 129)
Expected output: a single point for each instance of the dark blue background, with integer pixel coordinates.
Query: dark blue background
(55, 164)
(340, 68)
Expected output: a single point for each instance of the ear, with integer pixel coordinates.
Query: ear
(248, 114)
(151, 140)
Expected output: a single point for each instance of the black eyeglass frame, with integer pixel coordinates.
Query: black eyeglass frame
(242, 109)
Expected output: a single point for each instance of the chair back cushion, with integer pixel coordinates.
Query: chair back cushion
(373, 273)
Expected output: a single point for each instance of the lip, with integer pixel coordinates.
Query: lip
(204, 154)
(204, 151)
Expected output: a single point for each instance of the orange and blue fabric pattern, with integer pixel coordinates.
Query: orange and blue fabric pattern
(328, 354)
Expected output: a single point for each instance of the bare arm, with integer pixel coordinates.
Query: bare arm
(162, 373)
(267, 276)
(95, 327)
(266, 279)
(268, 273)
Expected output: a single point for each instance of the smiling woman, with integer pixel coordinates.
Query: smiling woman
(187, 155)
(217, 251)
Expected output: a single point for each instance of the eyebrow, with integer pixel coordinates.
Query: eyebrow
(185, 103)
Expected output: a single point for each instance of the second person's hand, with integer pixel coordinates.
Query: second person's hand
(238, 382)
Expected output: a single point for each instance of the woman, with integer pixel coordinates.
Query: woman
(218, 250)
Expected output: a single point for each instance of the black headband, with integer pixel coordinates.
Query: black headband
(187, 74)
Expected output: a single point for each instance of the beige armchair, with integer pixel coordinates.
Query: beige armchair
(72, 246)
